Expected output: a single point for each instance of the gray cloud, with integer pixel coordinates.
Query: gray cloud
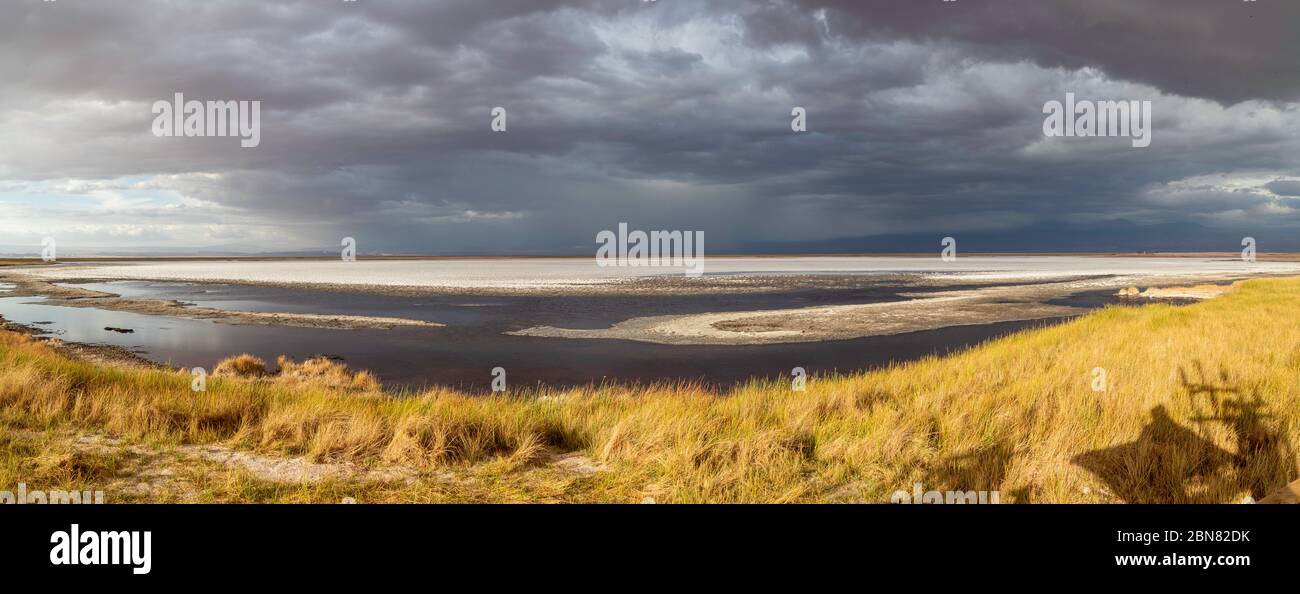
(923, 118)
(1284, 187)
(1225, 51)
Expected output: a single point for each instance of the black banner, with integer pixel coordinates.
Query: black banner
(310, 544)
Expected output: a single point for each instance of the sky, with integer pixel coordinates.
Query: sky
(924, 119)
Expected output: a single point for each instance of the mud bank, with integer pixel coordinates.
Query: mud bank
(929, 311)
(76, 297)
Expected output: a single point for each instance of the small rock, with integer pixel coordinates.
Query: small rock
(648, 500)
(119, 330)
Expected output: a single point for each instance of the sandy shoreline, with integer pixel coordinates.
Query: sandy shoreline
(928, 311)
(27, 286)
(101, 354)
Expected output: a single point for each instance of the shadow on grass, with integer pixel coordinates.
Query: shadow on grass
(980, 469)
(1170, 463)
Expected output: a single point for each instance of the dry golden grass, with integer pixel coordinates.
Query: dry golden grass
(243, 365)
(1201, 404)
(321, 371)
(317, 371)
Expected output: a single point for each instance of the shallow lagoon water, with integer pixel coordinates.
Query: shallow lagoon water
(463, 353)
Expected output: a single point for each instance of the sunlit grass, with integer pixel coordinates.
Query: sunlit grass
(1200, 404)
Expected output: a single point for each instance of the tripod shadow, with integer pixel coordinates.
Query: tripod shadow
(1170, 463)
(1264, 454)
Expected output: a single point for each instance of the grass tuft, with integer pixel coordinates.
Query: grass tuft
(244, 365)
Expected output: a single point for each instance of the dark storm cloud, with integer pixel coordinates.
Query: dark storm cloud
(1225, 51)
(923, 117)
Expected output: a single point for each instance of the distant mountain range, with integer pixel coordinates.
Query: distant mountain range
(1115, 236)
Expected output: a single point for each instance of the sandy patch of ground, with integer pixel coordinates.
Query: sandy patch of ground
(1197, 292)
(176, 473)
(576, 463)
(150, 471)
(811, 324)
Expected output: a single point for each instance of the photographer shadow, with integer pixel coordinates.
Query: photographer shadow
(1170, 463)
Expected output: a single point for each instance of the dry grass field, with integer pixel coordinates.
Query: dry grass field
(1158, 403)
